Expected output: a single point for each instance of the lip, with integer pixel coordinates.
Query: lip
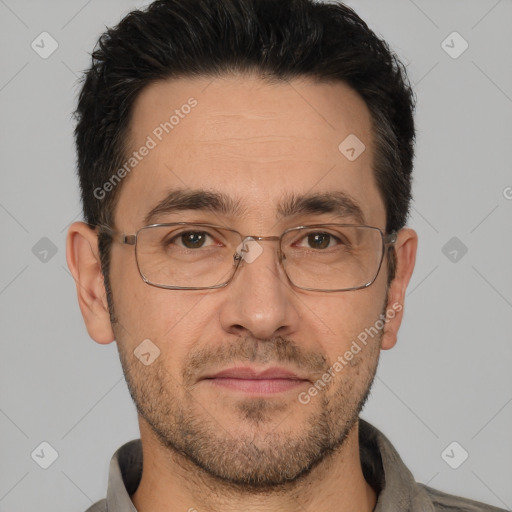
(257, 382)
(246, 372)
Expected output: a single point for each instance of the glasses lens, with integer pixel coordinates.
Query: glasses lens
(186, 256)
(332, 257)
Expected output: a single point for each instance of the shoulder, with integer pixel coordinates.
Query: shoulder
(99, 506)
(448, 502)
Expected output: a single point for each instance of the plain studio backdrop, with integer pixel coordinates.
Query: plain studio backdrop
(442, 394)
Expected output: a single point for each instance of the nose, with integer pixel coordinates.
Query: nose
(260, 301)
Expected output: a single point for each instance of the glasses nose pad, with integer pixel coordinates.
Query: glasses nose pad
(281, 255)
(240, 252)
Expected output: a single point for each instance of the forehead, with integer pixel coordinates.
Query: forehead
(255, 141)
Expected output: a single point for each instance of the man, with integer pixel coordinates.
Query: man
(245, 169)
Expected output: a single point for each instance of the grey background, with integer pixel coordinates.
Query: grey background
(449, 377)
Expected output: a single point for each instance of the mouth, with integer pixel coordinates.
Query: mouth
(249, 380)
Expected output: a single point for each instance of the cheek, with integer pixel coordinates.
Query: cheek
(171, 319)
(338, 321)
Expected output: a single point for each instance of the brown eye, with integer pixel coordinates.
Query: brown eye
(189, 239)
(193, 239)
(319, 240)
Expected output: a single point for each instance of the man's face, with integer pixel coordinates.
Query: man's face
(258, 144)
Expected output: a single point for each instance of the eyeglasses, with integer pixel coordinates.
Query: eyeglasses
(197, 256)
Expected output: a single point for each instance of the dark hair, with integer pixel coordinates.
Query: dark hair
(278, 40)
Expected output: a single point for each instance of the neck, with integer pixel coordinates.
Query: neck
(170, 482)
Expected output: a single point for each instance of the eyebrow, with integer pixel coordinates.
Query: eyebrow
(337, 202)
(205, 200)
(340, 203)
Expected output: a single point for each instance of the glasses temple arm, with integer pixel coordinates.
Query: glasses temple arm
(120, 237)
(390, 238)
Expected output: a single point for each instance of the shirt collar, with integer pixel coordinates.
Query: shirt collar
(382, 467)
(124, 476)
(386, 472)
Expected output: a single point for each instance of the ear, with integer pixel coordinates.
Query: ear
(83, 260)
(405, 248)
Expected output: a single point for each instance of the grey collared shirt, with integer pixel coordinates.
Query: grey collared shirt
(383, 469)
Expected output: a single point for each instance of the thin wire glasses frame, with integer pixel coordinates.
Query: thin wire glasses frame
(387, 240)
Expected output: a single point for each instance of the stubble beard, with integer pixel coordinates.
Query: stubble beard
(261, 456)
